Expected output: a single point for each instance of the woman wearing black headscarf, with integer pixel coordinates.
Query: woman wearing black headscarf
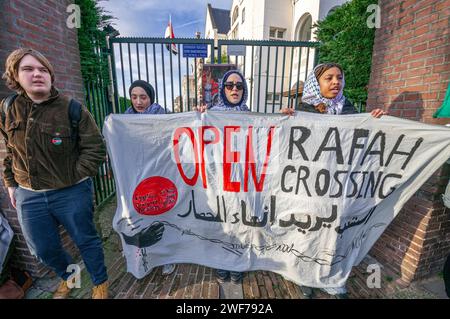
(142, 96)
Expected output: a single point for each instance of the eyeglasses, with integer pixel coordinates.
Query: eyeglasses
(229, 85)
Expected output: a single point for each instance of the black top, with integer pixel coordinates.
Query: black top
(347, 109)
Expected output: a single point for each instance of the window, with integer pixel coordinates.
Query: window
(235, 15)
(303, 32)
(276, 33)
(270, 97)
(243, 15)
(234, 34)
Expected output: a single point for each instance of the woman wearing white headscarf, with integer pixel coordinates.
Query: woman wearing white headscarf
(323, 92)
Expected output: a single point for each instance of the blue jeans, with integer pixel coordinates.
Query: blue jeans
(40, 214)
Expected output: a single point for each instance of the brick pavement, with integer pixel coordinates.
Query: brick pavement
(190, 281)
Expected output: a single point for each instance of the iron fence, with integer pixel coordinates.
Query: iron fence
(275, 70)
(98, 103)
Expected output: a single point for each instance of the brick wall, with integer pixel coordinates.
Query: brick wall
(40, 25)
(410, 75)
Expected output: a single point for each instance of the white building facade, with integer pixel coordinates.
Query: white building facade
(284, 20)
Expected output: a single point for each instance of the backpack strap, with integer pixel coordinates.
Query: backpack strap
(74, 117)
(74, 113)
(6, 104)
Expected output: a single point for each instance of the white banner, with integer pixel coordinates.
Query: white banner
(304, 196)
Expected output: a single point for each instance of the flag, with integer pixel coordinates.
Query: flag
(169, 35)
(444, 110)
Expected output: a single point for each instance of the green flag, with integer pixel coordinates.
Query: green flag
(444, 110)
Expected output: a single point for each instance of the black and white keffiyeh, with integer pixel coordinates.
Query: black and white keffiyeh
(312, 95)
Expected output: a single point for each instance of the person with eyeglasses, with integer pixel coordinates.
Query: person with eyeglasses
(232, 96)
(233, 93)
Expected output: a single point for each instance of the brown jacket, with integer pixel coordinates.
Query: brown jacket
(40, 151)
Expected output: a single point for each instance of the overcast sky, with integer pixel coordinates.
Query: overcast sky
(149, 18)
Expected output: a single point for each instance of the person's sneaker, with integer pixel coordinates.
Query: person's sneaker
(168, 269)
(100, 291)
(222, 275)
(63, 291)
(236, 277)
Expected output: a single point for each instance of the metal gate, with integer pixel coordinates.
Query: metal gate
(274, 70)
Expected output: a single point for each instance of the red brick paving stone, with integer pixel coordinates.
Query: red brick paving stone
(209, 271)
(158, 284)
(351, 292)
(197, 291)
(116, 268)
(183, 272)
(375, 293)
(123, 282)
(269, 286)
(320, 294)
(208, 274)
(388, 287)
(131, 293)
(263, 292)
(205, 290)
(120, 295)
(148, 293)
(283, 288)
(127, 289)
(278, 291)
(246, 287)
(361, 283)
(142, 286)
(214, 290)
(189, 287)
(86, 294)
(174, 287)
(292, 289)
(117, 273)
(279, 287)
(254, 285)
(167, 285)
(362, 289)
(193, 270)
(259, 277)
(206, 283)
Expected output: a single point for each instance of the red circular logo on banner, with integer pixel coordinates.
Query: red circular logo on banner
(154, 196)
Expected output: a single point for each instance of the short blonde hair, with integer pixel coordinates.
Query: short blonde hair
(12, 67)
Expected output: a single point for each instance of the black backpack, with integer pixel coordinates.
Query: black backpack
(74, 114)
